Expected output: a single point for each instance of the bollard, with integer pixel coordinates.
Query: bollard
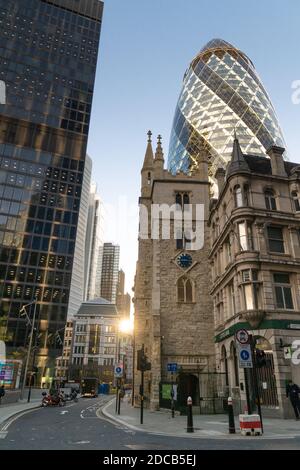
(190, 426)
(172, 403)
(231, 416)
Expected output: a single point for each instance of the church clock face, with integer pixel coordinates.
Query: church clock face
(184, 260)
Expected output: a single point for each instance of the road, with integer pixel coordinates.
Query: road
(81, 426)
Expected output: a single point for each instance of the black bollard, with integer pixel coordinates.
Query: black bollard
(190, 426)
(231, 417)
(172, 403)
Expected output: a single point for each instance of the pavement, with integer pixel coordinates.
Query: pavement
(205, 426)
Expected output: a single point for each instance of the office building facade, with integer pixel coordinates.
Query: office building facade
(48, 57)
(93, 242)
(109, 258)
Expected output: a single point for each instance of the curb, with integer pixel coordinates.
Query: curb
(223, 437)
(156, 433)
(14, 416)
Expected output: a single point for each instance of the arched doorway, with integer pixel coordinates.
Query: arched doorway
(224, 364)
(188, 386)
(234, 367)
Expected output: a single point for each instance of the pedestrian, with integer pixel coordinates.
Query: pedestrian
(2, 393)
(293, 391)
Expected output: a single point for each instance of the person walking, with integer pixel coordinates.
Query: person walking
(2, 393)
(292, 392)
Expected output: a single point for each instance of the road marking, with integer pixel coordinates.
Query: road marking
(64, 412)
(17, 416)
(82, 442)
(3, 434)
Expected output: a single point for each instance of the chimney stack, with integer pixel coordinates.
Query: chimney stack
(277, 163)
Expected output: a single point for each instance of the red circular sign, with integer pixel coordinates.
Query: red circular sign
(242, 336)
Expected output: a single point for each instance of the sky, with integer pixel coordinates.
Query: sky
(145, 48)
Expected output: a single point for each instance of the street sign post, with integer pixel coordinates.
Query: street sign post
(245, 356)
(119, 370)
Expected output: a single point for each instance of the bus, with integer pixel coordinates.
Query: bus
(89, 387)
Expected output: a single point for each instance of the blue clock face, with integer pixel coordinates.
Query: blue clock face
(184, 260)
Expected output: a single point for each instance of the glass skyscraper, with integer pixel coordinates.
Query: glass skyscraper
(221, 93)
(48, 57)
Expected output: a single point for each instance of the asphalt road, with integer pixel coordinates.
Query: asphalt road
(81, 426)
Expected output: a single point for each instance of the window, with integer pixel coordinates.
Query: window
(238, 196)
(249, 300)
(283, 291)
(250, 288)
(246, 195)
(182, 199)
(231, 300)
(275, 239)
(296, 200)
(185, 290)
(179, 240)
(245, 236)
(270, 200)
(228, 250)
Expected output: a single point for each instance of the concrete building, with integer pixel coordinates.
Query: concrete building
(255, 261)
(107, 282)
(93, 242)
(173, 309)
(95, 340)
(123, 300)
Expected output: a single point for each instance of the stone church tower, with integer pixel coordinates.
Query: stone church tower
(173, 309)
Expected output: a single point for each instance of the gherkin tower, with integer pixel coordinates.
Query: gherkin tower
(221, 93)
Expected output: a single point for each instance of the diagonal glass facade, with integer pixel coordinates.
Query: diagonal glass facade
(48, 57)
(221, 92)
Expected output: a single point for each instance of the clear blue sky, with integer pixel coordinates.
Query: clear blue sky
(145, 47)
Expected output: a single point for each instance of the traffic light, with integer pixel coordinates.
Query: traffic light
(261, 360)
(142, 361)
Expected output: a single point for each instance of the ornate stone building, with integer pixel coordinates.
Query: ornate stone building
(255, 259)
(173, 309)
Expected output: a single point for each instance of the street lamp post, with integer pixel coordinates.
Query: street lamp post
(30, 344)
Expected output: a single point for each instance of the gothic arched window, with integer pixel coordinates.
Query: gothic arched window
(185, 290)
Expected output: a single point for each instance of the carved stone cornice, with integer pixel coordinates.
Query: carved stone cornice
(254, 317)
